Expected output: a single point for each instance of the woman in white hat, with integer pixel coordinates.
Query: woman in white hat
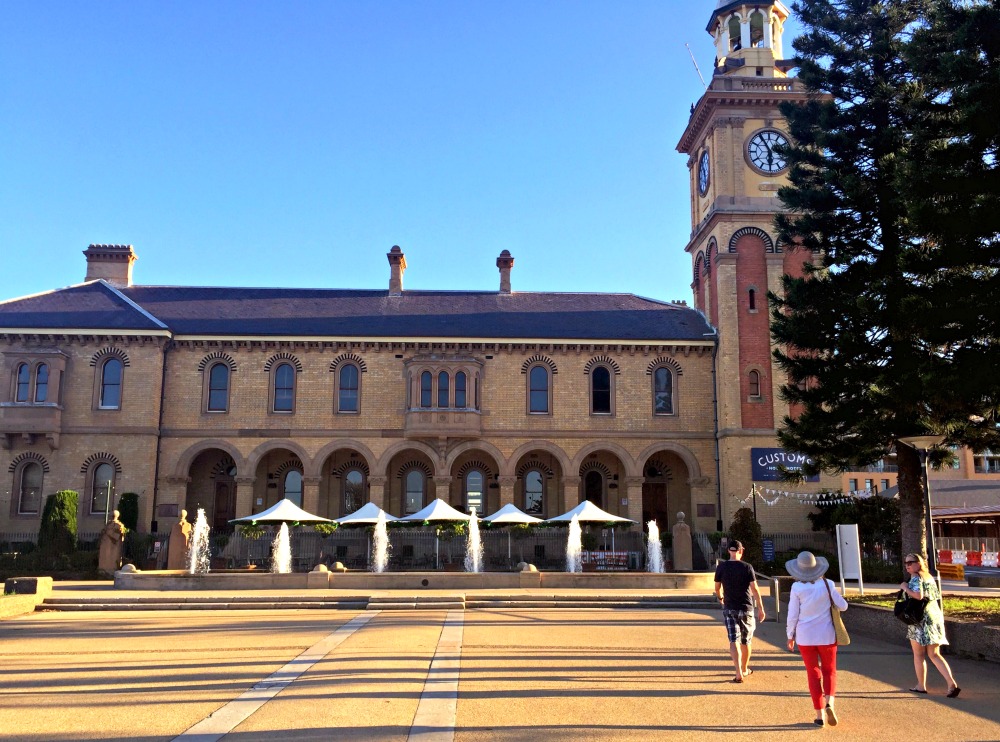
(810, 625)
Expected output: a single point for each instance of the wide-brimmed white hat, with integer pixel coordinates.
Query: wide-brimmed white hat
(807, 567)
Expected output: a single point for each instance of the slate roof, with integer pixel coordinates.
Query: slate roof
(226, 312)
(960, 493)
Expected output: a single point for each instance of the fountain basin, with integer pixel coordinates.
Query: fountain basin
(440, 580)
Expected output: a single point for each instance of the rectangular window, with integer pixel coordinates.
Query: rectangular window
(869, 484)
(853, 484)
(885, 484)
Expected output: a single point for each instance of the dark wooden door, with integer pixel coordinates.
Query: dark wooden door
(225, 505)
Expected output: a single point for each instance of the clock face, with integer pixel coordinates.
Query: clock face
(761, 151)
(703, 173)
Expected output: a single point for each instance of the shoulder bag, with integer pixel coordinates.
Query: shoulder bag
(843, 638)
(909, 610)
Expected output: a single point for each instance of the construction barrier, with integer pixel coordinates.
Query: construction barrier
(944, 556)
(951, 571)
(973, 559)
(958, 557)
(990, 559)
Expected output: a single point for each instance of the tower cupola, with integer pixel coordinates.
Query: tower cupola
(748, 38)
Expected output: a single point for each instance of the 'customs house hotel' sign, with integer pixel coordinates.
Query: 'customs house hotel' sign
(766, 464)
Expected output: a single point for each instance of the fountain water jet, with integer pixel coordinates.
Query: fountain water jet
(574, 547)
(654, 549)
(380, 549)
(199, 557)
(474, 546)
(281, 552)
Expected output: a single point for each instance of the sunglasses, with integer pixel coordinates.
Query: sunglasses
(909, 563)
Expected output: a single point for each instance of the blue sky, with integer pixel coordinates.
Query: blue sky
(293, 143)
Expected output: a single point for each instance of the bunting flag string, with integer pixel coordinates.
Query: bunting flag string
(771, 497)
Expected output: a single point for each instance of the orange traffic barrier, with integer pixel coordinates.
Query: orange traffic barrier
(944, 556)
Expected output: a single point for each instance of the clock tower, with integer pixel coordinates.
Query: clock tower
(732, 141)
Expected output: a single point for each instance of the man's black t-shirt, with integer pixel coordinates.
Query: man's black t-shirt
(736, 577)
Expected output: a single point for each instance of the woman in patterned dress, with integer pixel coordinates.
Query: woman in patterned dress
(927, 637)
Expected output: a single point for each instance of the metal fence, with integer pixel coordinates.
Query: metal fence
(966, 543)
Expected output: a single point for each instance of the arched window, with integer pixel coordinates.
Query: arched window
(284, 388)
(425, 389)
(41, 382)
(29, 489)
(460, 384)
(293, 486)
(443, 389)
(534, 492)
(593, 488)
(752, 299)
(754, 383)
(354, 490)
(347, 392)
(474, 491)
(23, 381)
(111, 385)
(734, 34)
(414, 499)
(600, 390)
(102, 487)
(663, 391)
(218, 388)
(756, 29)
(538, 390)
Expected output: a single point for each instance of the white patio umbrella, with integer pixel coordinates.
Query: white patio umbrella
(437, 512)
(510, 515)
(366, 515)
(588, 512)
(285, 511)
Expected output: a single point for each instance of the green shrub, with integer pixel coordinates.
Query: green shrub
(325, 529)
(57, 533)
(747, 530)
(128, 511)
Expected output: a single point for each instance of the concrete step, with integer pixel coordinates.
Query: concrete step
(204, 605)
(584, 603)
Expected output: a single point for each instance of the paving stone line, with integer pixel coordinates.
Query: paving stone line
(219, 723)
(434, 720)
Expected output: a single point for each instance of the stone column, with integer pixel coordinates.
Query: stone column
(507, 490)
(570, 494)
(376, 490)
(442, 488)
(310, 494)
(244, 496)
(633, 489)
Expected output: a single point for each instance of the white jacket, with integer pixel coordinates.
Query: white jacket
(809, 622)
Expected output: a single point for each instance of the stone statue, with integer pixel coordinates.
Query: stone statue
(683, 561)
(180, 540)
(110, 546)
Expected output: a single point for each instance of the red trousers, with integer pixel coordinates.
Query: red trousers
(821, 669)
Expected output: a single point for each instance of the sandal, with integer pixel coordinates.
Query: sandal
(736, 680)
(917, 690)
(953, 693)
(749, 672)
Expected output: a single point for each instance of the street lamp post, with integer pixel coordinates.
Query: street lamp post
(922, 444)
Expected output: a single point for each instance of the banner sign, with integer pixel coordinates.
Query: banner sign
(764, 463)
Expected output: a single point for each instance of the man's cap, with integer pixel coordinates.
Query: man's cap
(736, 546)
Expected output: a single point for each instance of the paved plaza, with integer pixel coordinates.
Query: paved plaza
(536, 674)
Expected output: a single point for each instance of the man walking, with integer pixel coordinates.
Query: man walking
(736, 588)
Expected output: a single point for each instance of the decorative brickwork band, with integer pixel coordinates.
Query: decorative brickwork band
(26, 457)
(752, 232)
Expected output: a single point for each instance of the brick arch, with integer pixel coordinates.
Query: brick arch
(332, 447)
(488, 448)
(683, 453)
(289, 464)
(354, 462)
(28, 457)
(539, 360)
(710, 252)
(667, 472)
(751, 232)
(217, 356)
(602, 361)
(410, 465)
(283, 356)
(526, 448)
(529, 463)
(624, 457)
(699, 267)
(667, 361)
(110, 352)
(589, 466)
(101, 458)
(223, 466)
(253, 460)
(183, 466)
(488, 470)
(349, 358)
(385, 459)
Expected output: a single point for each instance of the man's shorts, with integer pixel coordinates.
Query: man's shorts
(740, 625)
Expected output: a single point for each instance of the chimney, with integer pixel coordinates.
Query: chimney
(113, 263)
(397, 265)
(505, 262)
